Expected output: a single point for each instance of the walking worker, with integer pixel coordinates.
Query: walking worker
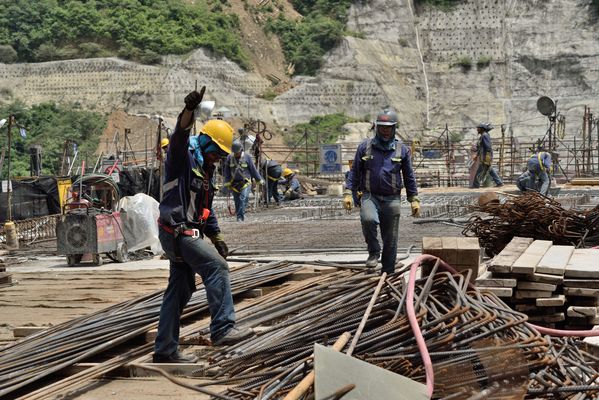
(273, 171)
(377, 171)
(238, 172)
(537, 176)
(293, 190)
(186, 216)
(484, 155)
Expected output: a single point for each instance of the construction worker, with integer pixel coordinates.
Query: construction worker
(292, 188)
(164, 146)
(273, 171)
(537, 175)
(186, 216)
(238, 172)
(377, 171)
(484, 155)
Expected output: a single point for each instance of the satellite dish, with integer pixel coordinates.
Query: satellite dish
(546, 106)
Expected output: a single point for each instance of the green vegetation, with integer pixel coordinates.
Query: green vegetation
(322, 129)
(306, 41)
(483, 62)
(139, 30)
(49, 125)
(464, 62)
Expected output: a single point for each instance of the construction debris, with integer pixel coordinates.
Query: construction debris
(535, 216)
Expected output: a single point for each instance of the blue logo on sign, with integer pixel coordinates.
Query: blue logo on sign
(330, 156)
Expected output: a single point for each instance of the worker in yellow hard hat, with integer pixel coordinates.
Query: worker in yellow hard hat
(291, 187)
(164, 147)
(186, 216)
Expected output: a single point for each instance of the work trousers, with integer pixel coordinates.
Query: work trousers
(481, 175)
(198, 256)
(241, 200)
(272, 191)
(381, 211)
(534, 180)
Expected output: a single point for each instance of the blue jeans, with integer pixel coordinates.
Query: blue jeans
(384, 211)
(534, 180)
(272, 190)
(199, 256)
(481, 175)
(241, 200)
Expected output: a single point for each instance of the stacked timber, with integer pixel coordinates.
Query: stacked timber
(462, 253)
(553, 285)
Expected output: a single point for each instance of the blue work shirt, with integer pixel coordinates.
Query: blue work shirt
(539, 162)
(385, 167)
(188, 188)
(239, 172)
(273, 169)
(291, 183)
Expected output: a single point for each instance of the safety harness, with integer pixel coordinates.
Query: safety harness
(395, 159)
(238, 166)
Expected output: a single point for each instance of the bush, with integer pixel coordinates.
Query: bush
(149, 57)
(483, 62)
(8, 55)
(49, 30)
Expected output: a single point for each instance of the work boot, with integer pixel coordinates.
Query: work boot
(373, 260)
(234, 335)
(175, 358)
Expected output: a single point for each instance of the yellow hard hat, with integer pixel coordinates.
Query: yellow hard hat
(287, 172)
(220, 132)
(164, 142)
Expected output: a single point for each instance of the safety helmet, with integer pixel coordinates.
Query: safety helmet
(164, 142)
(236, 147)
(220, 132)
(287, 172)
(485, 126)
(386, 118)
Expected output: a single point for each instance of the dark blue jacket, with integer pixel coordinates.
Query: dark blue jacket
(273, 169)
(539, 162)
(484, 146)
(240, 172)
(187, 188)
(385, 167)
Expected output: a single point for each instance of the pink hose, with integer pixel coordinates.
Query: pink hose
(426, 359)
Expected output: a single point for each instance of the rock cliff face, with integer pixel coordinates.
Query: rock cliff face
(484, 60)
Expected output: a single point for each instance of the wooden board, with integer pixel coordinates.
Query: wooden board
(503, 261)
(536, 286)
(584, 263)
(554, 301)
(527, 262)
(555, 260)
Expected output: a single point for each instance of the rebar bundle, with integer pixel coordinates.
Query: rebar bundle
(535, 216)
(475, 341)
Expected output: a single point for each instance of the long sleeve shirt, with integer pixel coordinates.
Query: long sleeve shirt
(188, 188)
(380, 171)
(539, 162)
(239, 172)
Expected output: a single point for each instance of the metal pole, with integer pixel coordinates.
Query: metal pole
(9, 192)
(306, 138)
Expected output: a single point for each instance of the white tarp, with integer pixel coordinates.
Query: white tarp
(139, 222)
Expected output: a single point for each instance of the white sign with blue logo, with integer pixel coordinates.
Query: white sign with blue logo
(330, 159)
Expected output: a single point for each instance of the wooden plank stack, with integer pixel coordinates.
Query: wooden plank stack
(553, 285)
(462, 253)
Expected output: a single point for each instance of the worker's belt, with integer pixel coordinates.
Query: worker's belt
(179, 230)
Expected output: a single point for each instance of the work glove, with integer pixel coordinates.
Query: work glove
(193, 99)
(261, 182)
(415, 205)
(288, 192)
(219, 243)
(487, 160)
(348, 201)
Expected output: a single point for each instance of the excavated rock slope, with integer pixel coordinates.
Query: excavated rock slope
(483, 60)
